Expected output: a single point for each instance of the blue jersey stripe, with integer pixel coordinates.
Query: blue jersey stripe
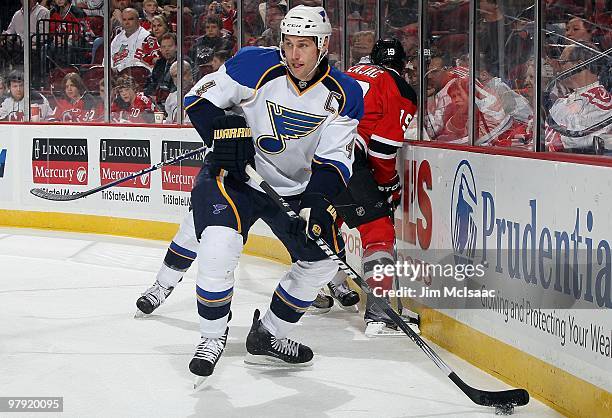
(292, 299)
(184, 252)
(213, 296)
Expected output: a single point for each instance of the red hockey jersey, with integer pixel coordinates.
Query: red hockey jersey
(389, 106)
(141, 111)
(86, 109)
(73, 20)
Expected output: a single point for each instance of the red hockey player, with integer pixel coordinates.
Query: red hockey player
(131, 106)
(374, 190)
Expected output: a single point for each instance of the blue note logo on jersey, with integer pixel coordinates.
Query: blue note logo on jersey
(287, 124)
(217, 208)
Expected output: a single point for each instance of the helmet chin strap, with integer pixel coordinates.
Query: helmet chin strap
(322, 54)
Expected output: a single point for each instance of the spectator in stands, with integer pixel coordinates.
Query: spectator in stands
(91, 7)
(219, 59)
(171, 105)
(529, 83)
(228, 16)
(160, 82)
(274, 16)
(252, 23)
(71, 17)
(513, 103)
(579, 30)
(77, 105)
(588, 104)
(205, 46)
(447, 113)
(134, 46)
(504, 47)
(3, 89)
(12, 108)
(150, 9)
(131, 106)
(116, 16)
(37, 12)
(159, 27)
(361, 45)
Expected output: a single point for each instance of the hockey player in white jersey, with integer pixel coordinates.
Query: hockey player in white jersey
(301, 119)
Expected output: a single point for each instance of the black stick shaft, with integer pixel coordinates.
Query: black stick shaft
(52, 196)
(516, 397)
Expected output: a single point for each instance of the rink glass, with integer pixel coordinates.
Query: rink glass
(510, 48)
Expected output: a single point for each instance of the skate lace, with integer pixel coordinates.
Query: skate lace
(210, 348)
(286, 346)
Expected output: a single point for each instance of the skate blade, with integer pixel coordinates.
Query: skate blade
(317, 311)
(272, 362)
(379, 329)
(199, 383)
(350, 309)
(141, 315)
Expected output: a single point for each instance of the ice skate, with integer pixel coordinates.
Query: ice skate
(378, 324)
(207, 354)
(151, 299)
(265, 349)
(347, 298)
(322, 304)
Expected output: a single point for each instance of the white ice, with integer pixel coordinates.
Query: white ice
(67, 328)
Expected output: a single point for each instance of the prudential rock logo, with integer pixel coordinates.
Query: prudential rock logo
(464, 202)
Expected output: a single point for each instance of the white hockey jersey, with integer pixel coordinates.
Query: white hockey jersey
(292, 129)
(13, 111)
(171, 107)
(582, 109)
(138, 50)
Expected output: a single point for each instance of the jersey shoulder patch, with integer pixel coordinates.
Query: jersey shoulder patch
(251, 64)
(351, 92)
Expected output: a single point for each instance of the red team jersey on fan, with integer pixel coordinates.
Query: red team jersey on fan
(389, 104)
(134, 113)
(86, 109)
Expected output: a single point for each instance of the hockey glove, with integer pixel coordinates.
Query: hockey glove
(319, 215)
(232, 146)
(393, 191)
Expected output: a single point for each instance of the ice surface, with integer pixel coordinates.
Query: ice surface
(67, 303)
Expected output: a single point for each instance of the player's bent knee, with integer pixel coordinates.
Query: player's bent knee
(314, 273)
(219, 251)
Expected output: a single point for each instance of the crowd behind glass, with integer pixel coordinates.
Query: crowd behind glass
(67, 61)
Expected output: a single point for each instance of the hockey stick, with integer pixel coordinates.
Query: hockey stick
(501, 399)
(400, 307)
(38, 192)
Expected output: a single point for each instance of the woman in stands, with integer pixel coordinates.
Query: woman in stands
(131, 106)
(159, 27)
(77, 105)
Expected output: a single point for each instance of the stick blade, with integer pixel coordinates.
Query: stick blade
(514, 397)
(43, 194)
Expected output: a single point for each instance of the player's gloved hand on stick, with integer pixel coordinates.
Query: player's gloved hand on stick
(393, 191)
(233, 145)
(319, 214)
